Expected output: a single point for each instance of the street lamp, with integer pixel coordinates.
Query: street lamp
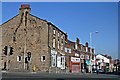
(91, 50)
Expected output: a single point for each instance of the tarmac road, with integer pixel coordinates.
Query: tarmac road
(57, 76)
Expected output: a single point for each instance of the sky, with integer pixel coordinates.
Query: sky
(77, 19)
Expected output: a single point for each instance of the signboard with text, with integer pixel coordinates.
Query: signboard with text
(74, 59)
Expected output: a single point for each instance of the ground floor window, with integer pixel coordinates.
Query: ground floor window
(62, 62)
(43, 58)
(19, 58)
(53, 60)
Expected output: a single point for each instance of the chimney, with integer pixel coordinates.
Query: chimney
(86, 44)
(66, 37)
(77, 41)
(25, 8)
(92, 50)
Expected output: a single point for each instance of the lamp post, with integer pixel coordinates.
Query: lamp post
(91, 49)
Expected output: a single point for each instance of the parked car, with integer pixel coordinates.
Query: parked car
(101, 71)
(98, 71)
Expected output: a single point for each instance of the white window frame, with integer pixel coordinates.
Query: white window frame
(69, 50)
(18, 58)
(58, 34)
(62, 62)
(53, 42)
(42, 58)
(59, 61)
(54, 31)
(58, 44)
(53, 58)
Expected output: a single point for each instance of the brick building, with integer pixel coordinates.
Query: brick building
(29, 42)
(78, 56)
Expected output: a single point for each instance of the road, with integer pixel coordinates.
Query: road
(56, 76)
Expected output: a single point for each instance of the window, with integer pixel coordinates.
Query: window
(53, 42)
(19, 58)
(61, 46)
(53, 31)
(58, 34)
(43, 58)
(62, 36)
(76, 54)
(87, 56)
(59, 61)
(58, 44)
(62, 62)
(67, 50)
(53, 60)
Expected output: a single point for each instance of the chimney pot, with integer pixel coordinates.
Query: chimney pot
(23, 6)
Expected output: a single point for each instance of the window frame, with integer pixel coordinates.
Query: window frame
(42, 58)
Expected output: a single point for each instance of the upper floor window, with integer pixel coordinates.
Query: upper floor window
(87, 56)
(58, 34)
(62, 36)
(58, 43)
(53, 42)
(67, 50)
(61, 46)
(53, 31)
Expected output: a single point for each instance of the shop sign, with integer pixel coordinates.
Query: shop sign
(74, 59)
(88, 62)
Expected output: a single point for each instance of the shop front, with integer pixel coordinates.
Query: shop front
(88, 65)
(75, 65)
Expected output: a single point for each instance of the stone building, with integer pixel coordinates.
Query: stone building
(30, 43)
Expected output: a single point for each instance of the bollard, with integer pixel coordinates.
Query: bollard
(34, 68)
